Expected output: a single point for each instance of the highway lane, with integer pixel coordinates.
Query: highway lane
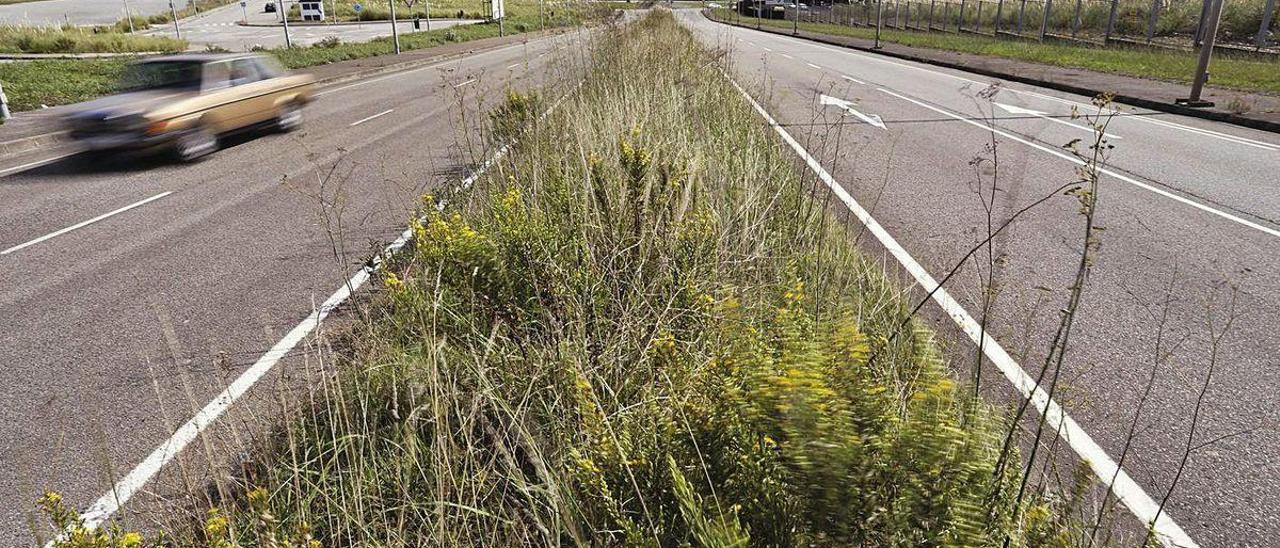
(1189, 208)
(117, 331)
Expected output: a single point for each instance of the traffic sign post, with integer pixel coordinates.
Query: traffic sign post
(284, 16)
(498, 11)
(395, 34)
(244, 11)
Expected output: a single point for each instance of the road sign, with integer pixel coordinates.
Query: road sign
(499, 10)
(357, 8)
(243, 4)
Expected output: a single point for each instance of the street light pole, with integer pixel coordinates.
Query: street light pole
(176, 31)
(128, 16)
(395, 33)
(284, 16)
(879, 21)
(795, 21)
(1206, 52)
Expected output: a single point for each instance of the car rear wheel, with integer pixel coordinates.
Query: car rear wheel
(290, 117)
(196, 143)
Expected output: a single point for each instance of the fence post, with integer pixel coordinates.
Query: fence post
(895, 15)
(1111, 21)
(977, 22)
(946, 15)
(1263, 28)
(1044, 21)
(1022, 10)
(999, 13)
(960, 24)
(1151, 20)
(931, 5)
(1075, 21)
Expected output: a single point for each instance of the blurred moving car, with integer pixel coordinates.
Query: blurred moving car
(184, 103)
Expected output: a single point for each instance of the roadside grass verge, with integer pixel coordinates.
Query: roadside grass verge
(1241, 71)
(31, 84)
(379, 11)
(642, 327)
(17, 39)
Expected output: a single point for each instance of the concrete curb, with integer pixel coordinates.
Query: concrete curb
(9, 149)
(1141, 102)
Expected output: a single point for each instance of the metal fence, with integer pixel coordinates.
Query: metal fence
(1250, 24)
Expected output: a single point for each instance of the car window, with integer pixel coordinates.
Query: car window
(266, 68)
(244, 71)
(163, 75)
(217, 76)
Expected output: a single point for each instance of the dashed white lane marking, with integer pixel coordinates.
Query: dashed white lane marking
(814, 66)
(768, 50)
(1127, 491)
(1079, 162)
(471, 81)
(83, 224)
(852, 79)
(509, 67)
(378, 115)
(787, 56)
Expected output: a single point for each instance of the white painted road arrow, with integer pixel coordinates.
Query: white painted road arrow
(1028, 112)
(848, 106)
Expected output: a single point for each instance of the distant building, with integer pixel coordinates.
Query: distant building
(312, 10)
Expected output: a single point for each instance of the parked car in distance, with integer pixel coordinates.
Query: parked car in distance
(184, 103)
(269, 8)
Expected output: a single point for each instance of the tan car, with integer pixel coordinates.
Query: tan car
(184, 103)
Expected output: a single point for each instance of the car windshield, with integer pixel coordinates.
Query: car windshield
(163, 75)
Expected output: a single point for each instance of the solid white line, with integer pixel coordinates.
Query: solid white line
(37, 163)
(1020, 110)
(465, 83)
(378, 115)
(1127, 491)
(1079, 162)
(85, 223)
(852, 79)
(814, 66)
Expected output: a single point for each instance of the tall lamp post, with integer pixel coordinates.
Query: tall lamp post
(1206, 52)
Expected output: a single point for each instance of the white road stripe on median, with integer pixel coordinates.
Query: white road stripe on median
(471, 81)
(378, 115)
(1127, 491)
(130, 484)
(1105, 171)
(83, 224)
(37, 163)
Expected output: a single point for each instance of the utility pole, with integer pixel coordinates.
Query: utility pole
(795, 21)
(542, 20)
(879, 21)
(395, 33)
(284, 16)
(128, 16)
(1206, 51)
(176, 31)
(759, 4)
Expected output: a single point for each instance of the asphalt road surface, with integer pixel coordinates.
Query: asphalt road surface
(221, 27)
(116, 332)
(1191, 244)
(77, 12)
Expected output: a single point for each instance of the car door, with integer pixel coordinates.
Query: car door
(251, 91)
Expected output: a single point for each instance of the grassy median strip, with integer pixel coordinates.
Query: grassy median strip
(641, 328)
(1241, 71)
(17, 39)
